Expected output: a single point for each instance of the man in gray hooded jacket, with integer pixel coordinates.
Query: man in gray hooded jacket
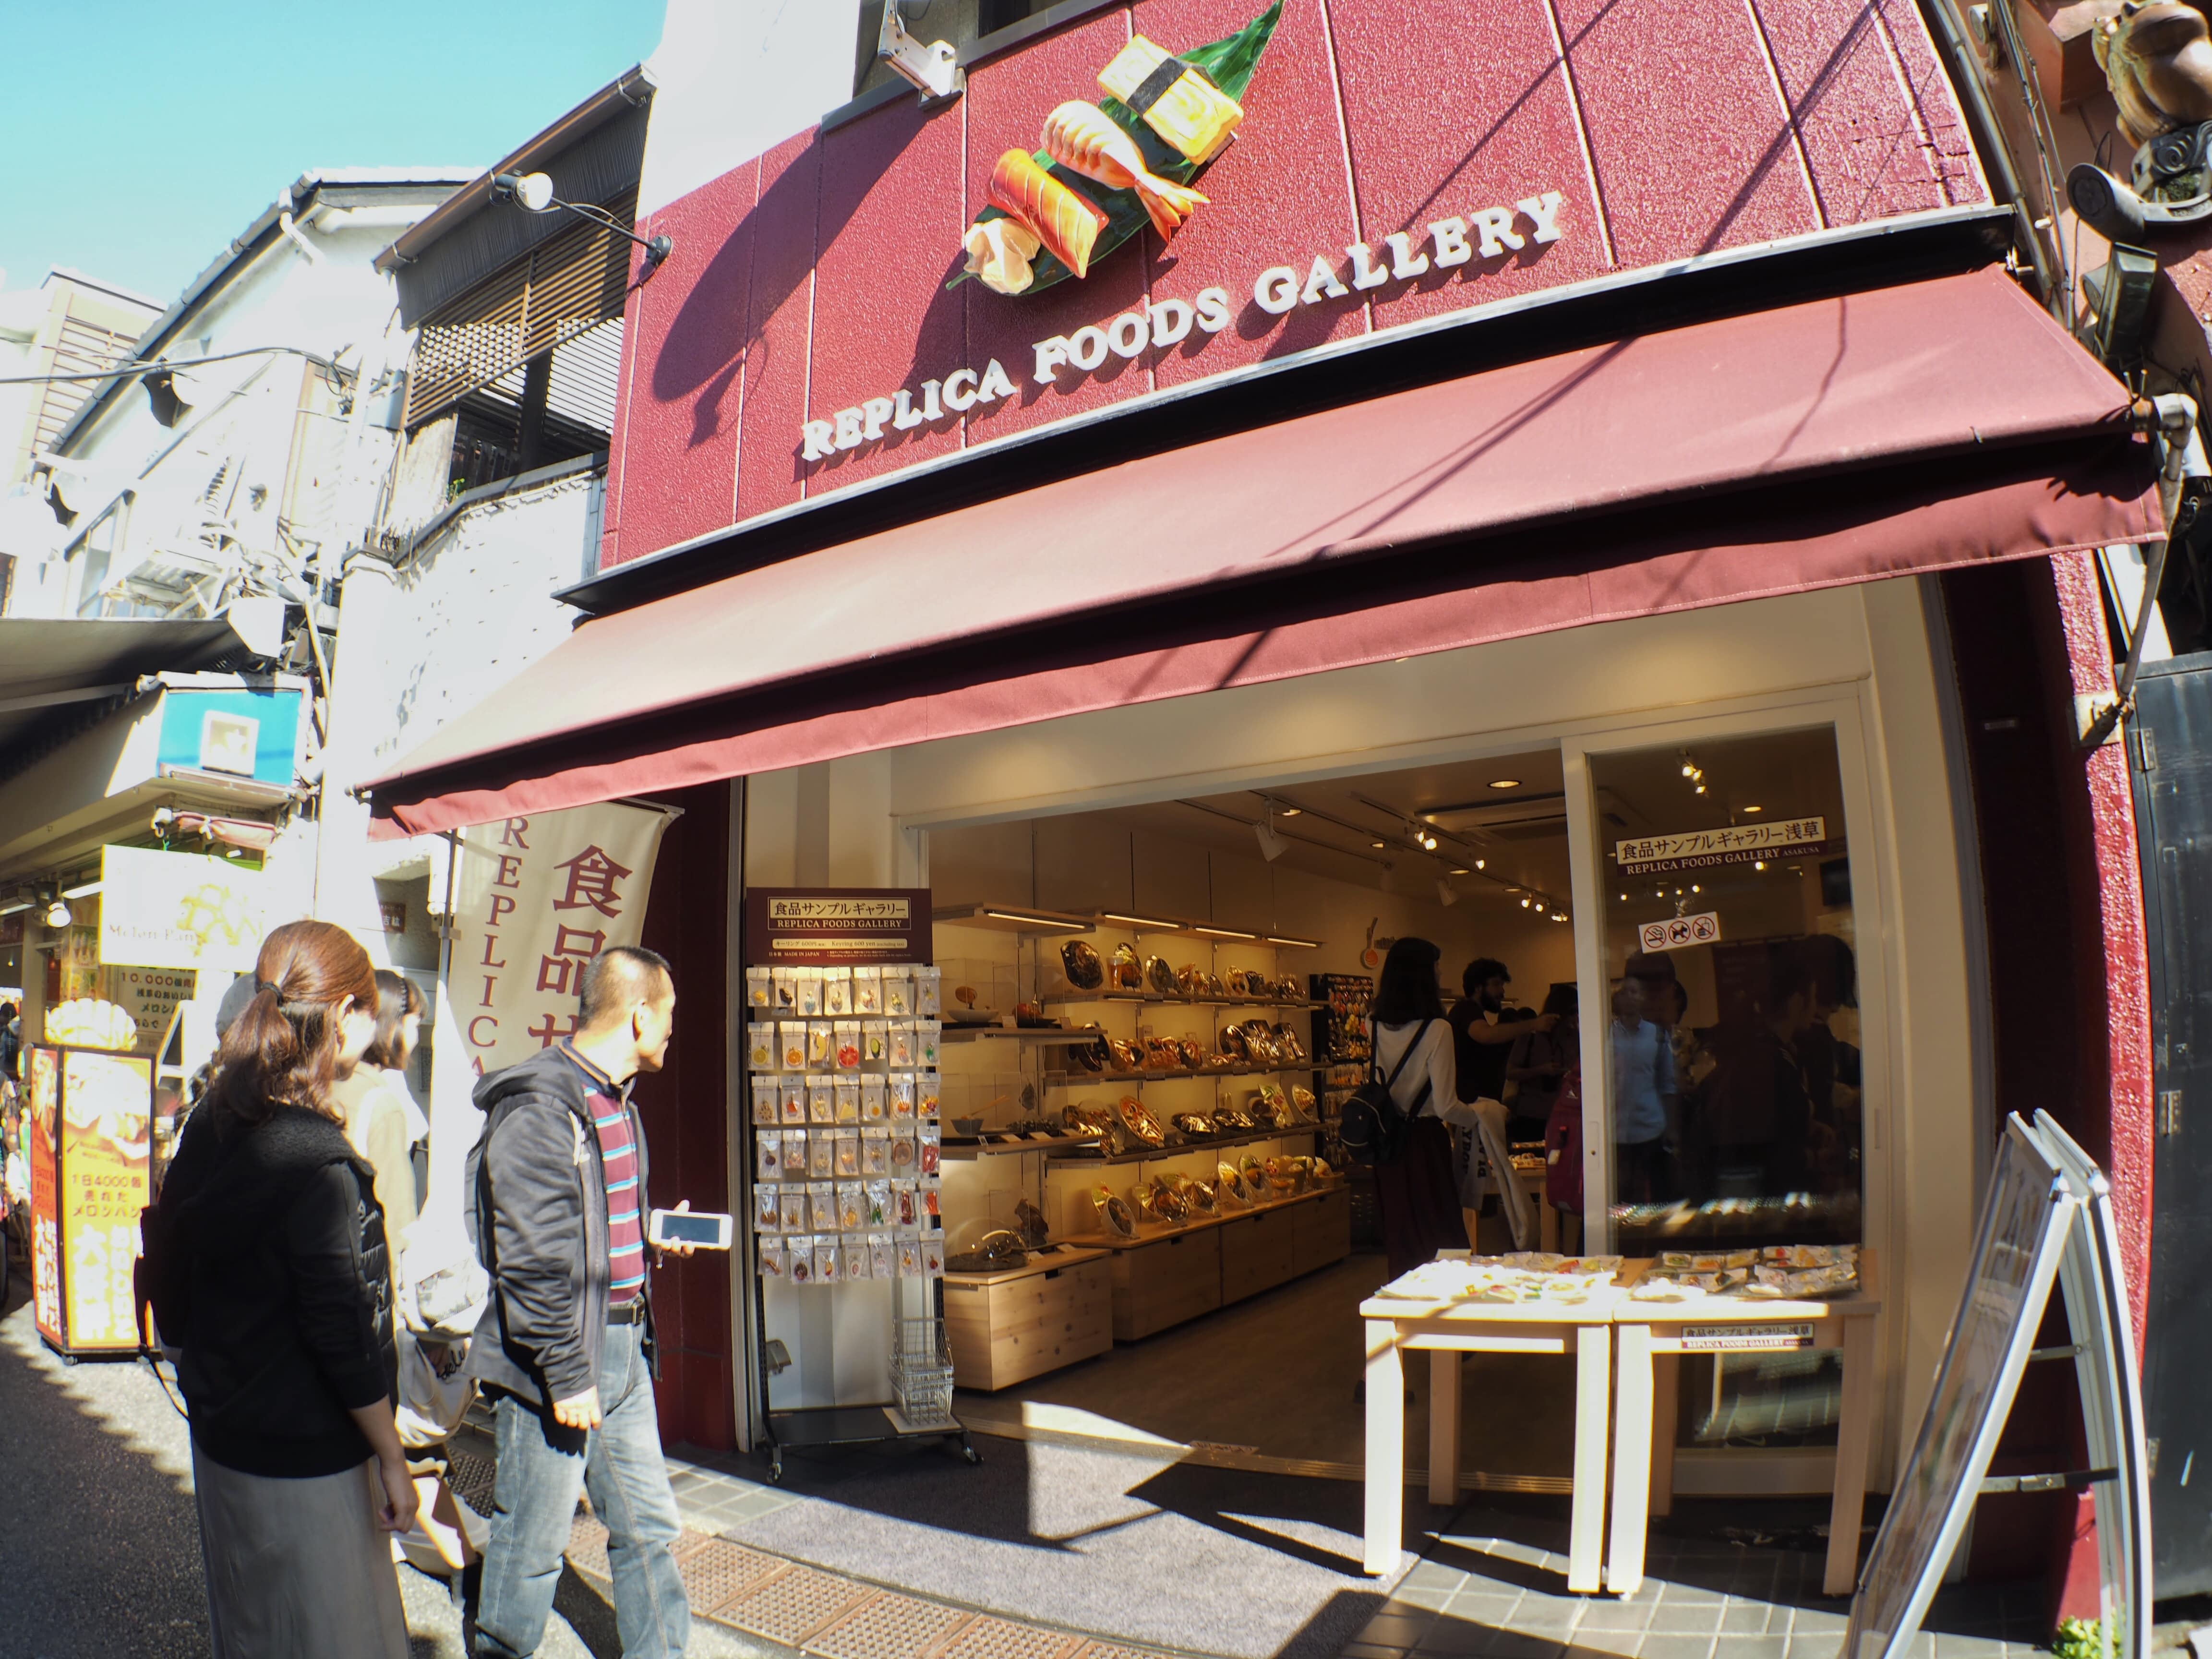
(557, 1180)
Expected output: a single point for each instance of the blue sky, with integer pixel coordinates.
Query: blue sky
(137, 138)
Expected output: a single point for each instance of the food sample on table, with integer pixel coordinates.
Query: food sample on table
(1080, 961)
(1125, 972)
(1159, 976)
(1140, 1123)
(1229, 1188)
(1114, 1214)
(1454, 1278)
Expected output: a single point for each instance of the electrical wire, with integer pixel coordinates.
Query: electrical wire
(159, 366)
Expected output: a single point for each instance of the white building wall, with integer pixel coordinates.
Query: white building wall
(736, 78)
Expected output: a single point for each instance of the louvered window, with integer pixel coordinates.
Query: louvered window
(83, 348)
(571, 282)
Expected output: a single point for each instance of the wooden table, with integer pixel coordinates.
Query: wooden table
(1652, 1336)
(1447, 1330)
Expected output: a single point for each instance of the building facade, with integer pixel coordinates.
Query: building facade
(1588, 475)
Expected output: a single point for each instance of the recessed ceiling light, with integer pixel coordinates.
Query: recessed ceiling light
(1459, 870)
(1377, 845)
(1506, 783)
(1754, 808)
(1288, 811)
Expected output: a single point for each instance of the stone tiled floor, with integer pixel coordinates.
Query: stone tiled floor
(1494, 1586)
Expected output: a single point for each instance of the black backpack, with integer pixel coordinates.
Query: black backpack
(1373, 1126)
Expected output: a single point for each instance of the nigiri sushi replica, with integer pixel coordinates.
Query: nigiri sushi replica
(1177, 101)
(999, 253)
(1083, 137)
(1066, 222)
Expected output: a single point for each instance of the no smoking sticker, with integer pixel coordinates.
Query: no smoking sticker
(1678, 932)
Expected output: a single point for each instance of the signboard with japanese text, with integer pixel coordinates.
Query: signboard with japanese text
(536, 898)
(820, 926)
(42, 1074)
(107, 1108)
(180, 910)
(148, 995)
(1737, 843)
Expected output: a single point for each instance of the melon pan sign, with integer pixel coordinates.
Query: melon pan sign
(180, 910)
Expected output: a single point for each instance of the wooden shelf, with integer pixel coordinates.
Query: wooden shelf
(1069, 1079)
(1184, 1149)
(1151, 1232)
(1037, 1034)
(1065, 999)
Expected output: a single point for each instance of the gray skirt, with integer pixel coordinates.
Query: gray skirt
(297, 1567)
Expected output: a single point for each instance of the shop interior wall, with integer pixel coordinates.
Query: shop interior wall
(1080, 863)
(1870, 643)
(689, 1120)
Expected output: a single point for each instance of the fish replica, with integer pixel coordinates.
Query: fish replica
(1084, 138)
(1064, 222)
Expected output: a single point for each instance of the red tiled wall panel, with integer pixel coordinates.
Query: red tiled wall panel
(815, 279)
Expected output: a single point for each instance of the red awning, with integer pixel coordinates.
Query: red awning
(1909, 429)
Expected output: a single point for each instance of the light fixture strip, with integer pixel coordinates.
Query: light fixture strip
(1038, 921)
(83, 890)
(13, 906)
(1153, 923)
(1224, 933)
(1302, 943)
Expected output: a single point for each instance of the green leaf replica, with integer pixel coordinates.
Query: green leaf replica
(1108, 169)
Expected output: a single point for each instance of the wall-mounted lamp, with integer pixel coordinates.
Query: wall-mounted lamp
(534, 190)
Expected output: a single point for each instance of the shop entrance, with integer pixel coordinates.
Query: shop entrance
(1189, 977)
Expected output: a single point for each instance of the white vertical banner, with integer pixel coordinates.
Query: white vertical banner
(535, 899)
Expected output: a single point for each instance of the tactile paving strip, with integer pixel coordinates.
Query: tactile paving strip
(889, 1627)
(717, 1571)
(587, 1548)
(792, 1607)
(470, 1477)
(1001, 1638)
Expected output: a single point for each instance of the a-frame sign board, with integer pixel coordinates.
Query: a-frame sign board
(2048, 1219)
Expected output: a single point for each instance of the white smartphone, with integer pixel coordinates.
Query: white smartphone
(701, 1228)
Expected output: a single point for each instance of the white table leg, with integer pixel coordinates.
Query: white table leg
(1854, 1441)
(1443, 1425)
(1593, 1404)
(1631, 1466)
(1666, 1395)
(1386, 1446)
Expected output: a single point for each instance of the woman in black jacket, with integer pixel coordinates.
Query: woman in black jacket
(274, 1283)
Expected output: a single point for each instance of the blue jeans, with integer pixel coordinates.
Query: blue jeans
(542, 1467)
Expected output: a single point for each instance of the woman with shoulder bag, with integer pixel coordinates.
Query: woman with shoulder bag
(287, 1361)
(1416, 1192)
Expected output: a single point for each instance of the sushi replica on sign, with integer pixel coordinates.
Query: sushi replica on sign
(1107, 170)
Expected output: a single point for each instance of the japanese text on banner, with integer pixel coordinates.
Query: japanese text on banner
(537, 898)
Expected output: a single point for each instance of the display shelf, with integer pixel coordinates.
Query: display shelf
(966, 1148)
(1064, 1255)
(1063, 1079)
(1038, 1034)
(1151, 1232)
(1181, 1149)
(1073, 998)
(1013, 919)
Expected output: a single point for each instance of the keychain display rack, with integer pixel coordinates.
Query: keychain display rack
(844, 1128)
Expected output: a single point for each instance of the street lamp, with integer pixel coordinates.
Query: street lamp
(534, 190)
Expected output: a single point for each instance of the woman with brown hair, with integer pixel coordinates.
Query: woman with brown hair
(379, 1113)
(273, 1282)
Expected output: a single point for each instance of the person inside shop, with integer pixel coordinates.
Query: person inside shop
(266, 1254)
(382, 1120)
(1644, 1100)
(564, 1349)
(11, 1041)
(1764, 1124)
(1417, 1193)
(1539, 1058)
(1484, 1026)
(1831, 1063)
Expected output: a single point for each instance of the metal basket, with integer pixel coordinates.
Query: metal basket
(921, 1369)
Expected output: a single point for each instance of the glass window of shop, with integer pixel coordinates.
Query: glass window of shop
(1731, 1110)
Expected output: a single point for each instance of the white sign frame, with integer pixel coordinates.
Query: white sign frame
(2048, 1215)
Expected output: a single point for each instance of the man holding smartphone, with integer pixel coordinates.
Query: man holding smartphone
(557, 1180)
